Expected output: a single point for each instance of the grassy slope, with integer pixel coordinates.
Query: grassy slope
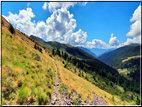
(130, 58)
(84, 88)
(130, 68)
(27, 75)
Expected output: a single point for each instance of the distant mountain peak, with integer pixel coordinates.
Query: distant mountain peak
(88, 51)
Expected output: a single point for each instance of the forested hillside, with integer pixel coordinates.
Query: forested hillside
(126, 59)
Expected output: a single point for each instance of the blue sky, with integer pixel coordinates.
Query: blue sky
(94, 24)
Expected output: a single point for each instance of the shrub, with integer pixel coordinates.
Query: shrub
(48, 92)
(76, 101)
(42, 98)
(40, 49)
(11, 29)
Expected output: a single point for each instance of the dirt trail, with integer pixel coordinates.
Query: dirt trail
(64, 99)
(55, 95)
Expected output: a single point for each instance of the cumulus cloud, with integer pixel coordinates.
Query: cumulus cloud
(135, 28)
(78, 38)
(96, 43)
(58, 27)
(53, 6)
(129, 41)
(44, 6)
(22, 21)
(113, 40)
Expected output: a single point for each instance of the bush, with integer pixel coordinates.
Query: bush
(76, 101)
(11, 29)
(42, 98)
(40, 50)
(48, 92)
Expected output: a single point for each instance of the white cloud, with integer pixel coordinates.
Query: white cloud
(96, 43)
(113, 40)
(44, 6)
(52, 6)
(59, 26)
(22, 21)
(129, 41)
(78, 38)
(40, 29)
(83, 3)
(135, 28)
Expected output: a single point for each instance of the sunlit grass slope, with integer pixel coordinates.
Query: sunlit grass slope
(129, 58)
(27, 74)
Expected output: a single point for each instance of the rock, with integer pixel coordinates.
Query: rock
(62, 102)
(69, 103)
(54, 98)
(53, 102)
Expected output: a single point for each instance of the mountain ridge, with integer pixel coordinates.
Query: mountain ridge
(88, 51)
(65, 47)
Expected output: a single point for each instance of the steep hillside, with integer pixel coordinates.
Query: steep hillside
(27, 75)
(126, 59)
(65, 47)
(87, 50)
(33, 74)
(130, 68)
(115, 57)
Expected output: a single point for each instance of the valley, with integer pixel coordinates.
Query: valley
(35, 72)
